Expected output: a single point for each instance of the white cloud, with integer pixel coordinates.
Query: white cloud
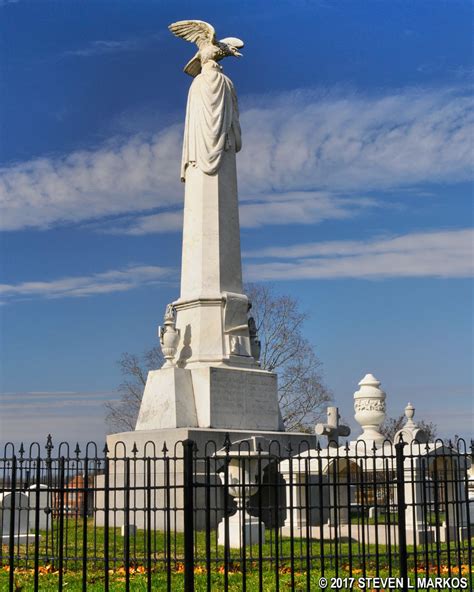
(99, 283)
(442, 254)
(137, 175)
(287, 208)
(356, 143)
(152, 223)
(293, 144)
(101, 47)
(299, 207)
(110, 46)
(68, 416)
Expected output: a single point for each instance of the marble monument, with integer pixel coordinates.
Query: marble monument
(212, 377)
(211, 382)
(211, 387)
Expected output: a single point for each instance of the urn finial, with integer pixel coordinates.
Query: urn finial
(410, 430)
(169, 336)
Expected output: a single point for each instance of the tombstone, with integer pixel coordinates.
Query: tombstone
(332, 429)
(410, 431)
(375, 512)
(19, 503)
(128, 530)
(44, 504)
(470, 494)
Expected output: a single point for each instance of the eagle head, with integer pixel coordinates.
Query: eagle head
(233, 45)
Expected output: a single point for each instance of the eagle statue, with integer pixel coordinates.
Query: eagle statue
(209, 49)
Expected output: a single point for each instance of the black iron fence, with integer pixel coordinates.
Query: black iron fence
(245, 516)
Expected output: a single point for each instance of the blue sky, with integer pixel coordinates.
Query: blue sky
(355, 183)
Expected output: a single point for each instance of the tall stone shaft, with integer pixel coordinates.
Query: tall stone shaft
(211, 260)
(212, 309)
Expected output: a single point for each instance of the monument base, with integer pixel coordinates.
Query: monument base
(137, 463)
(208, 441)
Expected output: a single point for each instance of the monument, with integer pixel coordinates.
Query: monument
(211, 382)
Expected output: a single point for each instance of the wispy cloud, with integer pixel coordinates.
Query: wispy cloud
(353, 143)
(286, 208)
(299, 148)
(137, 175)
(118, 280)
(151, 223)
(68, 416)
(110, 46)
(299, 207)
(441, 254)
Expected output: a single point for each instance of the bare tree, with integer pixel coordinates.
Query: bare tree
(122, 414)
(392, 425)
(279, 322)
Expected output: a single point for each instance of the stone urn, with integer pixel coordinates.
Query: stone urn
(244, 466)
(410, 431)
(169, 336)
(369, 407)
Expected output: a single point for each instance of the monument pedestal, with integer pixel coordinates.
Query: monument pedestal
(204, 396)
(242, 528)
(208, 441)
(163, 473)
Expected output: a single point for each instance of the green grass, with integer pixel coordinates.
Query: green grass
(333, 556)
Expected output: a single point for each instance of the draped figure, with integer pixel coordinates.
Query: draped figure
(212, 121)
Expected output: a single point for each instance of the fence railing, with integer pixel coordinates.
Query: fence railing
(247, 516)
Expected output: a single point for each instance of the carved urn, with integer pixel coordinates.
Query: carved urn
(244, 462)
(169, 336)
(369, 407)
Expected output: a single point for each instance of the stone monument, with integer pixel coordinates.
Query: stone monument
(410, 432)
(211, 382)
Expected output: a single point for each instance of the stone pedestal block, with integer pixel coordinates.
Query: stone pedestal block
(210, 397)
(244, 530)
(168, 400)
(236, 399)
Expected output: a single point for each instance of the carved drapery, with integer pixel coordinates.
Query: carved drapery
(212, 121)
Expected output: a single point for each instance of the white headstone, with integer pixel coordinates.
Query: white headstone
(129, 530)
(44, 505)
(18, 503)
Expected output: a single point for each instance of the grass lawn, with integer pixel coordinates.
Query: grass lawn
(299, 567)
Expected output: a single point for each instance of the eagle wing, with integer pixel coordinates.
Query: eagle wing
(198, 32)
(193, 67)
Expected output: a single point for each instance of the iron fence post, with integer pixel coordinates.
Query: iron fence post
(11, 539)
(188, 502)
(402, 533)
